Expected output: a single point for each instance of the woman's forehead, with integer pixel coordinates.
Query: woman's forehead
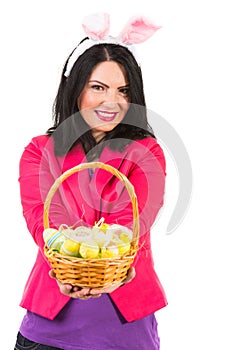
(109, 71)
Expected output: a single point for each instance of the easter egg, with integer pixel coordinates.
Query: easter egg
(89, 250)
(70, 248)
(53, 238)
(125, 238)
(100, 237)
(80, 234)
(124, 244)
(118, 230)
(48, 232)
(123, 248)
(109, 251)
(66, 231)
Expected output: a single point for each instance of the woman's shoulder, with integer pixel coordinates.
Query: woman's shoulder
(151, 144)
(39, 142)
(37, 147)
(148, 147)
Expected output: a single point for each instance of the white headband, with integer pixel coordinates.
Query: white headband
(96, 27)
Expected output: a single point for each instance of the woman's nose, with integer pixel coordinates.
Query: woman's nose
(112, 96)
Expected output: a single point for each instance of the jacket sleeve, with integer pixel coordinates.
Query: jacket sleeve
(144, 294)
(35, 179)
(146, 163)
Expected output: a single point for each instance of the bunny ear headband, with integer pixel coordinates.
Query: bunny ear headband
(96, 27)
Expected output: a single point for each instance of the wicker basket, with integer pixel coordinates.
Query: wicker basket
(99, 272)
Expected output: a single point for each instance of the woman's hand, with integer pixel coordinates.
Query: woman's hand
(87, 293)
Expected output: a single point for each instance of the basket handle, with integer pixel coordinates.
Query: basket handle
(112, 170)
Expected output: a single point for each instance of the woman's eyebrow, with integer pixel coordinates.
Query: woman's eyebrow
(124, 86)
(107, 86)
(99, 82)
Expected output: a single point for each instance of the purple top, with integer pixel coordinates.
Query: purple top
(93, 324)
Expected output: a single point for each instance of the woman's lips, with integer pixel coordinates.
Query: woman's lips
(106, 116)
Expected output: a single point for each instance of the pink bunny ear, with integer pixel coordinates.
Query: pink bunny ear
(137, 30)
(96, 26)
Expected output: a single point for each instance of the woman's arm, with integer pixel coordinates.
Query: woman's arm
(147, 175)
(35, 181)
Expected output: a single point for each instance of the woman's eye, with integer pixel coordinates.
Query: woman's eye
(124, 91)
(97, 87)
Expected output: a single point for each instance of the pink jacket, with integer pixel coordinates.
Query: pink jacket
(102, 196)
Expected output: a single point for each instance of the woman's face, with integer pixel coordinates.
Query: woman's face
(103, 102)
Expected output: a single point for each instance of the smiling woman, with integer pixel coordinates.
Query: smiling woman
(99, 113)
(103, 102)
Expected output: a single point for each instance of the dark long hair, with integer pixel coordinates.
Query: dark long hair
(70, 128)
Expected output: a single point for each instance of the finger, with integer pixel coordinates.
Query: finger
(86, 297)
(89, 296)
(65, 288)
(97, 291)
(96, 295)
(131, 274)
(82, 293)
(52, 274)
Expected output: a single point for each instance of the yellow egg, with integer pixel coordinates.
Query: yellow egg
(89, 250)
(124, 237)
(123, 248)
(109, 251)
(70, 248)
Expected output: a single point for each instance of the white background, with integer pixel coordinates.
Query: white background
(189, 77)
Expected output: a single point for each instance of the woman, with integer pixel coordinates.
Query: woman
(99, 114)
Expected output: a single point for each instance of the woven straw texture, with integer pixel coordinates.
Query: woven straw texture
(92, 273)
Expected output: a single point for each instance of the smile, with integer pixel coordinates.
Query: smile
(106, 116)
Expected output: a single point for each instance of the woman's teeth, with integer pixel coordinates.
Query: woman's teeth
(106, 115)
